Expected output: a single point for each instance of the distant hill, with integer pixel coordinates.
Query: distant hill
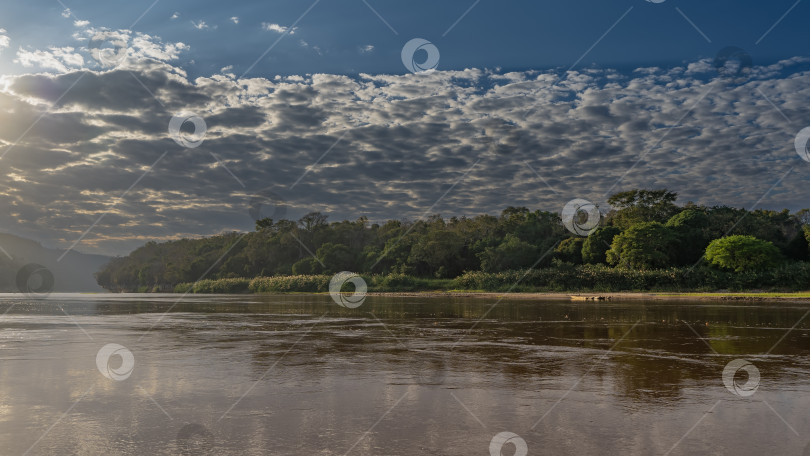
(72, 274)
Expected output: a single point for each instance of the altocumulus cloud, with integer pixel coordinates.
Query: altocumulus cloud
(395, 143)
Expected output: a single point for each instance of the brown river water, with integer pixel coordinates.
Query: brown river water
(299, 375)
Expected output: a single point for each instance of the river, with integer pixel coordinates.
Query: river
(300, 375)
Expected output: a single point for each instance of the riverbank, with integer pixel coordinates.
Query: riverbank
(787, 281)
(620, 296)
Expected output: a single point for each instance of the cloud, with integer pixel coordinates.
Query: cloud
(381, 146)
(278, 28)
(59, 59)
(366, 49)
(134, 48)
(235, 20)
(5, 41)
(81, 23)
(67, 13)
(174, 16)
(200, 25)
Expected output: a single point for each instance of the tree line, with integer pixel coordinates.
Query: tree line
(645, 229)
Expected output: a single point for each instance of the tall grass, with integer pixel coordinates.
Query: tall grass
(564, 278)
(311, 284)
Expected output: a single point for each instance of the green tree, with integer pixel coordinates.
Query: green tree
(512, 253)
(307, 266)
(598, 243)
(643, 246)
(336, 257)
(438, 253)
(637, 206)
(570, 250)
(691, 226)
(742, 253)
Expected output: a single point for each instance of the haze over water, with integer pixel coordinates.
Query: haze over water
(297, 374)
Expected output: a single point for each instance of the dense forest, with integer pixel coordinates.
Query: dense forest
(644, 231)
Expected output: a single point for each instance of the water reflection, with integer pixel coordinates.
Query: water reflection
(300, 375)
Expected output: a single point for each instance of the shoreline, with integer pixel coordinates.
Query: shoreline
(609, 296)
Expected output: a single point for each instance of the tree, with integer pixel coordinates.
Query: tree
(645, 245)
(742, 253)
(263, 224)
(637, 206)
(336, 257)
(798, 248)
(512, 253)
(803, 216)
(598, 243)
(307, 266)
(312, 221)
(437, 253)
(570, 250)
(691, 226)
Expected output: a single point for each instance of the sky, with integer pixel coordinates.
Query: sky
(123, 122)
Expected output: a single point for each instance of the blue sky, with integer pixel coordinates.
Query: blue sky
(512, 35)
(331, 120)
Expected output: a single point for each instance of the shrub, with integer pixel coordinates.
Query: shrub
(742, 253)
(296, 283)
(600, 278)
(215, 286)
(397, 282)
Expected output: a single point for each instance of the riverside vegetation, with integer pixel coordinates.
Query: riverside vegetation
(647, 242)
